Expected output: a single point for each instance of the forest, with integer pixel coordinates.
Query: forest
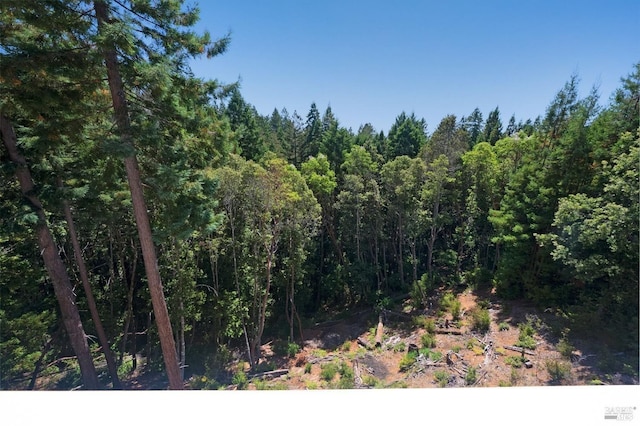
(147, 214)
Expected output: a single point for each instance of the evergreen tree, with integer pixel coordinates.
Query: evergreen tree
(492, 127)
(406, 136)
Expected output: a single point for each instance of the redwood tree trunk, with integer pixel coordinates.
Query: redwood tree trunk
(91, 302)
(52, 261)
(123, 124)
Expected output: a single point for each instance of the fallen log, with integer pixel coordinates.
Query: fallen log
(270, 374)
(379, 332)
(519, 350)
(448, 331)
(363, 342)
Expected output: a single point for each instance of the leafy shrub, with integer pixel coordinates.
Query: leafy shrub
(470, 378)
(371, 381)
(307, 368)
(347, 377)
(481, 320)
(526, 342)
(456, 348)
(447, 301)
(328, 371)
(408, 360)
(240, 379)
(557, 370)
(514, 361)
(525, 338)
(565, 348)
(442, 377)
(435, 356)
(399, 347)
(456, 307)
(125, 368)
(420, 290)
(428, 340)
(289, 349)
(503, 326)
(204, 382)
(425, 323)
(483, 304)
(514, 377)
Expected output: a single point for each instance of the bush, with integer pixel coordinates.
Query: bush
(347, 377)
(470, 378)
(240, 380)
(514, 361)
(456, 307)
(565, 348)
(408, 360)
(399, 347)
(371, 381)
(503, 326)
(328, 371)
(525, 338)
(442, 377)
(204, 382)
(435, 356)
(447, 301)
(307, 368)
(428, 340)
(289, 349)
(421, 289)
(481, 320)
(428, 324)
(558, 370)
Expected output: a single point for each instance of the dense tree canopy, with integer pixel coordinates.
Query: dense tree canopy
(165, 214)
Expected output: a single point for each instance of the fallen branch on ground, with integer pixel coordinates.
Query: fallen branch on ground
(270, 374)
(519, 350)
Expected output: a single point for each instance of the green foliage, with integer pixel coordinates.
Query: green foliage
(289, 349)
(399, 347)
(428, 324)
(471, 376)
(565, 348)
(347, 376)
(408, 360)
(481, 320)
(514, 361)
(204, 383)
(428, 340)
(240, 379)
(435, 356)
(558, 370)
(307, 368)
(421, 289)
(503, 326)
(447, 301)
(442, 377)
(328, 371)
(525, 337)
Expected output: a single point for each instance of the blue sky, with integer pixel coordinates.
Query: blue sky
(372, 60)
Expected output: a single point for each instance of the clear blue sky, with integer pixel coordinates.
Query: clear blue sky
(372, 60)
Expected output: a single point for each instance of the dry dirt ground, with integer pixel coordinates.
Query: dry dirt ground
(350, 343)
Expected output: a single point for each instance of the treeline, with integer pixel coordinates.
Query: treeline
(142, 201)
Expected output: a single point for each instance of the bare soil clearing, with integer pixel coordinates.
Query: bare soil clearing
(460, 357)
(492, 357)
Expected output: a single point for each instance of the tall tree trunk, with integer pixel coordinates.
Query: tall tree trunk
(161, 313)
(52, 261)
(91, 302)
(129, 318)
